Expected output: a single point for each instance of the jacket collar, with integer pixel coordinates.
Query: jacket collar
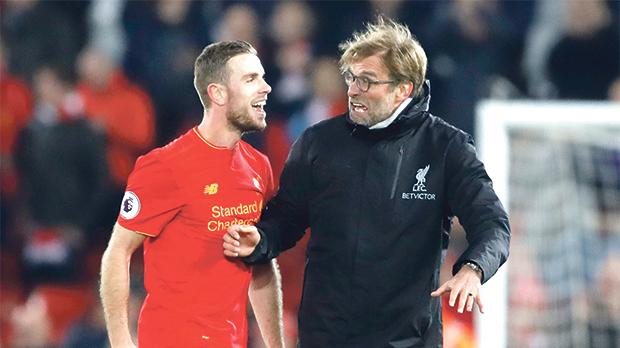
(409, 119)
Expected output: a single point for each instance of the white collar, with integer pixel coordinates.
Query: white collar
(391, 119)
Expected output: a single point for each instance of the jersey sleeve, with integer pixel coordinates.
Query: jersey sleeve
(152, 198)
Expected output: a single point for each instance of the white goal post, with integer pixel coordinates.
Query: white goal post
(496, 121)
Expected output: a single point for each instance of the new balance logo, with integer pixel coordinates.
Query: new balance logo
(210, 189)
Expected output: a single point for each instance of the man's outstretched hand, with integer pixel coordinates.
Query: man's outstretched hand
(240, 240)
(464, 287)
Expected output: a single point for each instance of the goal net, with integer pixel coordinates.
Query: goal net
(556, 167)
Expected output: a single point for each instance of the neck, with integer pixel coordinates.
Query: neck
(214, 128)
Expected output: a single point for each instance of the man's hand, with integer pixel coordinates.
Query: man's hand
(240, 240)
(465, 286)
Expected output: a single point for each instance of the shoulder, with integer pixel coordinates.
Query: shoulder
(335, 123)
(183, 147)
(445, 132)
(252, 154)
(176, 152)
(151, 164)
(332, 128)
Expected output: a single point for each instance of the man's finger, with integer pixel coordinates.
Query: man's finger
(470, 302)
(463, 297)
(230, 240)
(230, 253)
(232, 231)
(245, 228)
(440, 291)
(454, 293)
(230, 247)
(479, 302)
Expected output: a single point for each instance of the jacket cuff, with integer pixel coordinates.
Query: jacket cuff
(259, 255)
(457, 267)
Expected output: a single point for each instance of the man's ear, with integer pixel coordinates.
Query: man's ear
(217, 93)
(405, 89)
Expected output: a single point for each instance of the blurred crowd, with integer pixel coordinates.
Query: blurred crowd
(88, 86)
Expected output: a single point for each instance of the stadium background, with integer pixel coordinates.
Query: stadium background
(87, 86)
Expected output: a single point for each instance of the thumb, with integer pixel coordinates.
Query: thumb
(246, 229)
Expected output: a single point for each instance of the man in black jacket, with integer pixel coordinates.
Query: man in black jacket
(379, 187)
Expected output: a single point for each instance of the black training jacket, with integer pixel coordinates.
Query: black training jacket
(379, 204)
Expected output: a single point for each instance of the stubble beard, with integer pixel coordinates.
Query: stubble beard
(379, 113)
(240, 120)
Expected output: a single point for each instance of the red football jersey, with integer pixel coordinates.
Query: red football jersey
(184, 196)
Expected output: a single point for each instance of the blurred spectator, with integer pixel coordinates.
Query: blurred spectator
(289, 42)
(291, 21)
(584, 63)
(614, 90)
(89, 331)
(548, 22)
(122, 111)
(605, 304)
(11, 298)
(15, 113)
(61, 158)
(291, 26)
(36, 32)
(164, 37)
(416, 14)
(43, 320)
(336, 20)
(328, 97)
(105, 27)
(466, 49)
(31, 325)
(52, 255)
(239, 22)
(602, 252)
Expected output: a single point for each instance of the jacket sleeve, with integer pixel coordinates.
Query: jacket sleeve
(285, 218)
(472, 198)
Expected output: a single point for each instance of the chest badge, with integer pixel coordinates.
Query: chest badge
(420, 186)
(210, 189)
(419, 191)
(256, 183)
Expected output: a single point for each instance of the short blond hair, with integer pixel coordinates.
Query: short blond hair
(401, 52)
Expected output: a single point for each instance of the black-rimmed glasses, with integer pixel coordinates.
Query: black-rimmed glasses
(363, 82)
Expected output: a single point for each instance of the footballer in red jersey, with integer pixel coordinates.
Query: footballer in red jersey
(179, 201)
(184, 196)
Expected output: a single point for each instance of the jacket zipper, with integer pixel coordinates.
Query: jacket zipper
(398, 164)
